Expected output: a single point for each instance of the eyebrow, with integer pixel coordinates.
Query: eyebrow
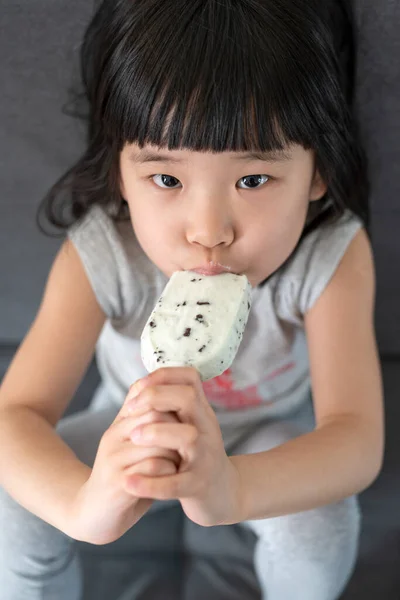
(146, 156)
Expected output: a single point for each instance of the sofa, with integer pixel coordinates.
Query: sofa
(38, 46)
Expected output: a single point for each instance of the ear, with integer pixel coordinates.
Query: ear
(121, 186)
(120, 182)
(122, 190)
(318, 187)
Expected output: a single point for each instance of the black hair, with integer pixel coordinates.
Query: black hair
(211, 75)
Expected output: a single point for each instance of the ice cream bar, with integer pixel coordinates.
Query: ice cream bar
(198, 321)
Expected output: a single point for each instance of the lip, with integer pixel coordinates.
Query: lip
(212, 269)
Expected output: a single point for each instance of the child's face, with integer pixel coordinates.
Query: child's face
(193, 209)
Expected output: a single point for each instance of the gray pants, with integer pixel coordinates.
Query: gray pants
(305, 556)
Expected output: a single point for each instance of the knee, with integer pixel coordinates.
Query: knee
(23, 534)
(14, 518)
(324, 531)
(317, 548)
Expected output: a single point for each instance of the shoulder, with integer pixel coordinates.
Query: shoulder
(313, 265)
(96, 229)
(119, 271)
(104, 247)
(353, 282)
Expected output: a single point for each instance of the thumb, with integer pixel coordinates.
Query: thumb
(133, 391)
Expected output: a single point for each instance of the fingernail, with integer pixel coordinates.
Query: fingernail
(134, 392)
(136, 388)
(136, 434)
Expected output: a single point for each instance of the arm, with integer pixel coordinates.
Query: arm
(36, 467)
(37, 388)
(343, 455)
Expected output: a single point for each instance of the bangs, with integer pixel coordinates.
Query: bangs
(213, 76)
(219, 80)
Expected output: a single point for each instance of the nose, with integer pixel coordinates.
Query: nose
(210, 222)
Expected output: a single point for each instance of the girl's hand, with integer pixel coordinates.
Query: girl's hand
(105, 507)
(207, 483)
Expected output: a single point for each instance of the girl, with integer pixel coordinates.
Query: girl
(218, 140)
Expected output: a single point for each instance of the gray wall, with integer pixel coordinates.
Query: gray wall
(378, 107)
(39, 40)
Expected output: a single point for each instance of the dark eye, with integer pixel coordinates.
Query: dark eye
(250, 182)
(166, 181)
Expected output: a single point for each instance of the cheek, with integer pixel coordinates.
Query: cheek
(155, 228)
(277, 235)
(139, 207)
(146, 227)
(288, 228)
(156, 237)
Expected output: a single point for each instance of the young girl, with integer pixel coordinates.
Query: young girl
(218, 140)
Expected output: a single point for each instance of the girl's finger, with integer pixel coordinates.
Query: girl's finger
(179, 399)
(132, 393)
(186, 376)
(152, 467)
(172, 436)
(172, 487)
(166, 376)
(153, 416)
(132, 454)
(122, 429)
(171, 376)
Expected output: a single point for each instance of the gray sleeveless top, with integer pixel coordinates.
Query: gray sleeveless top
(270, 376)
